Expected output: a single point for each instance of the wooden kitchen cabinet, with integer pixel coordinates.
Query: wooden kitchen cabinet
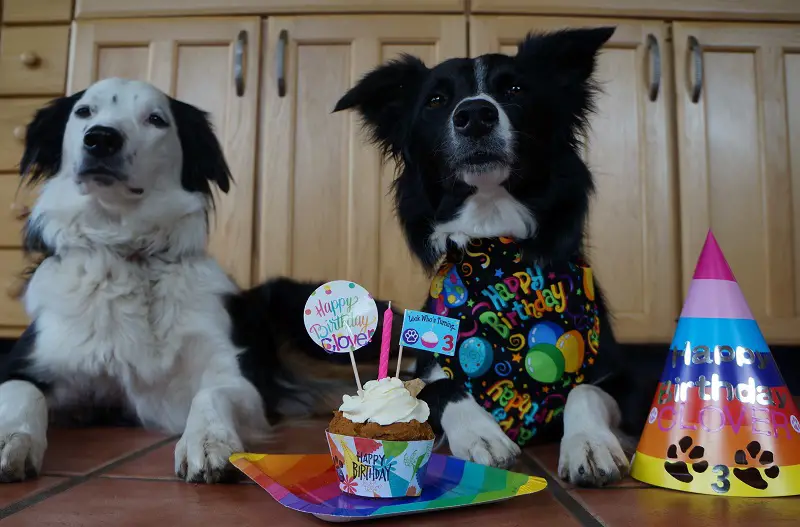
(193, 60)
(325, 211)
(632, 231)
(738, 101)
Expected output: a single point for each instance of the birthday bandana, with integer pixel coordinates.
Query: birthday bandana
(527, 336)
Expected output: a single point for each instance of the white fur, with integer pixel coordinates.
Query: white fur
(473, 434)
(131, 311)
(23, 430)
(591, 453)
(488, 213)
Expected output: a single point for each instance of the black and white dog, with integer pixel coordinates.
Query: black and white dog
(132, 320)
(490, 148)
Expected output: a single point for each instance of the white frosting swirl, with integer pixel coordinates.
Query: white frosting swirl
(384, 402)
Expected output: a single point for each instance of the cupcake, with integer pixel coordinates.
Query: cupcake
(380, 440)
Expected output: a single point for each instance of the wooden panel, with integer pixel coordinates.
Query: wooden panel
(15, 114)
(324, 209)
(36, 11)
(778, 10)
(192, 60)
(739, 170)
(15, 201)
(33, 60)
(125, 8)
(12, 313)
(632, 228)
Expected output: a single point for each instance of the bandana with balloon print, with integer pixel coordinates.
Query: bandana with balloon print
(527, 334)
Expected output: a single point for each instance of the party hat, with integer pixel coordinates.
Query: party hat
(722, 421)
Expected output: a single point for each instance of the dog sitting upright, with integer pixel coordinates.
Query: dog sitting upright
(492, 188)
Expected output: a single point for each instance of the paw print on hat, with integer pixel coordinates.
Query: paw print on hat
(751, 476)
(678, 468)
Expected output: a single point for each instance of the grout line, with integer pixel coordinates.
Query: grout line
(77, 480)
(562, 495)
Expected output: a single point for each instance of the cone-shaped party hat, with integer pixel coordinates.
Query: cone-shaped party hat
(722, 420)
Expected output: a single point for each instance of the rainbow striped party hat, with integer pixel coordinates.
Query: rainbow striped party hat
(722, 420)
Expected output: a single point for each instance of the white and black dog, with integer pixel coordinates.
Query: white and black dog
(132, 320)
(490, 149)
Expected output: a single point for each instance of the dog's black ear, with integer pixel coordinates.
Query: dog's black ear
(44, 139)
(203, 158)
(381, 97)
(569, 54)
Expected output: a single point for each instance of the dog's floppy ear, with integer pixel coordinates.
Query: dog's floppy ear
(381, 97)
(203, 158)
(44, 139)
(568, 54)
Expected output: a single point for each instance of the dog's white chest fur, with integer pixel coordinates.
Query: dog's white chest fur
(128, 327)
(488, 213)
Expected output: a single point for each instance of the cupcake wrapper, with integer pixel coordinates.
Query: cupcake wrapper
(375, 468)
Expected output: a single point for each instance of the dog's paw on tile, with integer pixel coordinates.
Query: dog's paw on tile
(592, 459)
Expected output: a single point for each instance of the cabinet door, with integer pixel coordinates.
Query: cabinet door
(631, 232)
(739, 144)
(192, 60)
(326, 212)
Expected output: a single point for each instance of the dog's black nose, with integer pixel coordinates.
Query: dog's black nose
(102, 141)
(475, 117)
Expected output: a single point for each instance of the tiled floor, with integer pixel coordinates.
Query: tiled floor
(123, 477)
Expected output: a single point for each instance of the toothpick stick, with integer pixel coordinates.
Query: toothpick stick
(399, 358)
(355, 371)
(353, 360)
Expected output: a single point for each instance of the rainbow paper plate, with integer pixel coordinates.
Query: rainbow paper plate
(308, 483)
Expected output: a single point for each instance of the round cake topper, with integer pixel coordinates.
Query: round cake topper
(341, 316)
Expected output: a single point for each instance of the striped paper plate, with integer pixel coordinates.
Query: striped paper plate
(308, 483)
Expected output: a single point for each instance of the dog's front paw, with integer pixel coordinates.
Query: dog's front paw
(473, 434)
(202, 456)
(592, 459)
(21, 456)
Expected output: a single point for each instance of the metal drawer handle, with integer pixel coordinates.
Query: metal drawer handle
(30, 59)
(19, 132)
(280, 62)
(697, 63)
(240, 62)
(655, 67)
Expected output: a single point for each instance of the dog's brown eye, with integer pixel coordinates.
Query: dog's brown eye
(514, 90)
(436, 101)
(157, 121)
(83, 112)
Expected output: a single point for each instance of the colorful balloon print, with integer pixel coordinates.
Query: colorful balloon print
(544, 363)
(476, 356)
(546, 332)
(572, 347)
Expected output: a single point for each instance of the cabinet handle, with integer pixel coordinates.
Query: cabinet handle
(239, 59)
(655, 67)
(280, 62)
(697, 63)
(30, 59)
(19, 132)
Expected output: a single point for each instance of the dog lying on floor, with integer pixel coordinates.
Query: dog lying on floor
(491, 187)
(131, 318)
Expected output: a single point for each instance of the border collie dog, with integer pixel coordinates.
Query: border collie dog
(131, 318)
(488, 155)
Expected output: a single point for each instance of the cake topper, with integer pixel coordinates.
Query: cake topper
(341, 317)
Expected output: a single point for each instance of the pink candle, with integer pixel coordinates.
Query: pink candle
(386, 343)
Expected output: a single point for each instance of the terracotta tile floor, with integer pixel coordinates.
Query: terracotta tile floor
(123, 477)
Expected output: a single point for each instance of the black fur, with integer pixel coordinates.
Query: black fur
(203, 159)
(44, 139)
(547, 91)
